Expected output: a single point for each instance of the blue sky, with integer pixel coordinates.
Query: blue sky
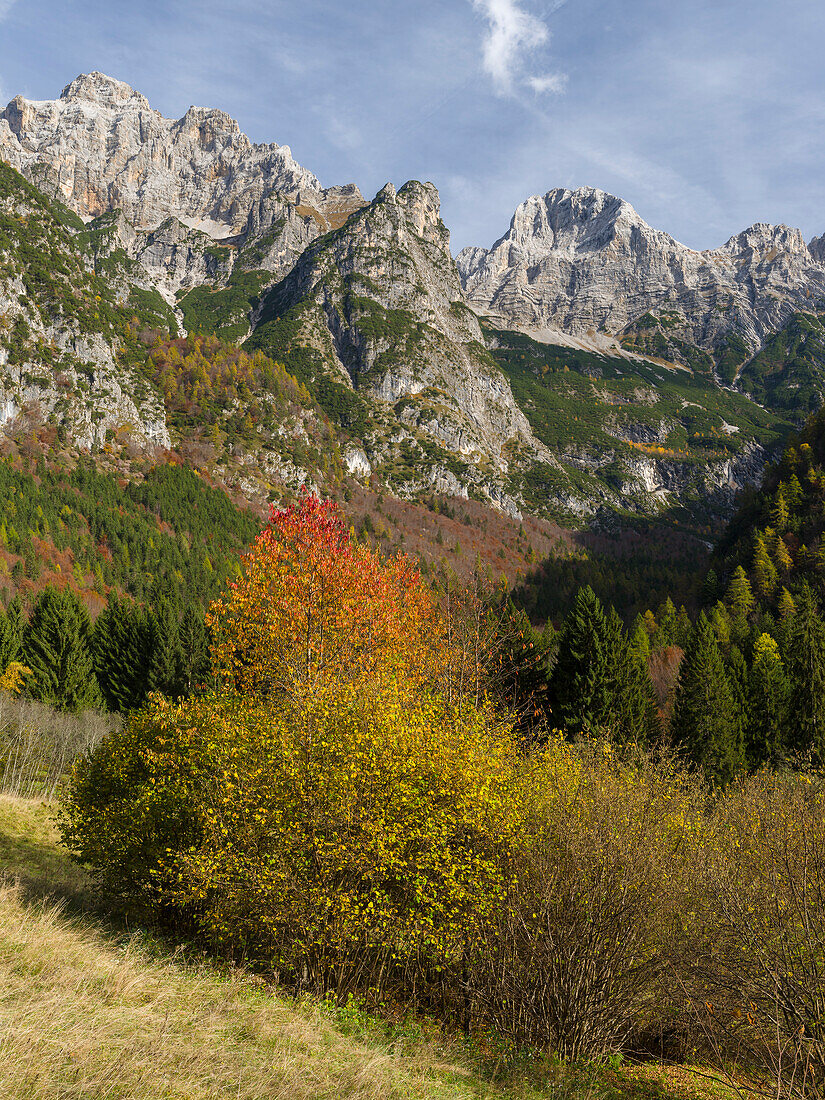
(706, 115)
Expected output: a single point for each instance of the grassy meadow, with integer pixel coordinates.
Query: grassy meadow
(93, 1007)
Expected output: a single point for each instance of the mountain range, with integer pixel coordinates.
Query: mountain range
(585, 362)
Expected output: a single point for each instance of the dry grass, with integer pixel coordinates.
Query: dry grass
(83, 1015)
(87, 1011)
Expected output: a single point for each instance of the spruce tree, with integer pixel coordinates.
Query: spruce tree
(710, 587)
(720, 622)
(640, 638)
(806, 670)
(765, 574)
(739, 597)
(736, 668)
(122, 647)
(166, 664)
(11, 637)
(582, 687)
(704, 723)
(634, 714)
(684, 628)
(666, 625)
(523, 657)
(194, 641)
(56, 647)
(769, 698)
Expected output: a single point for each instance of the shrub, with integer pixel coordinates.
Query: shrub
(353, 842)
(757, 967)
(132, 803)
(574, 957)
(38, 745)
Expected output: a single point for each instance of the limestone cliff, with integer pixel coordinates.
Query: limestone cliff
(584, 262)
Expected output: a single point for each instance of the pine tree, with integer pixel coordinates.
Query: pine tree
(739, 597)
(11, 637)
(765, 574)
(56, 647)
(806, 671)
(769, 693)
(704, 722)
(582, 687)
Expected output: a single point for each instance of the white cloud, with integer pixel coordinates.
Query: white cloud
(550, 82)
(512, 33)
(5, 8)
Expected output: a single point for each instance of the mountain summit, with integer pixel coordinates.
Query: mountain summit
(584, 261)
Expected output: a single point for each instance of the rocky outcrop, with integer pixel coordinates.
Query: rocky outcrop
(381, 302)
(101, 148)
(581, 261)
(60, 334)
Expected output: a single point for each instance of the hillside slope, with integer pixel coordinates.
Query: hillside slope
(87, 1010)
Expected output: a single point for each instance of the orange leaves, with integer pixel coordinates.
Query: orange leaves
(313, 608)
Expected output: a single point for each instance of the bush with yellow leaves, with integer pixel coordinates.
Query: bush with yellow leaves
(755, 968)
(574, 959)
(353, 842)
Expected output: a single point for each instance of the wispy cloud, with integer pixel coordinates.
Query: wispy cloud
(512, 35)
(5, 8)
(550, 82)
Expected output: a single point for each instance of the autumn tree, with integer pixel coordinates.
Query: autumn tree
(313, 609)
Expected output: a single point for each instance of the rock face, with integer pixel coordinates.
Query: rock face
(101, 148)
(583, 260)
(60, 330)
(186, 220)
(381, 303)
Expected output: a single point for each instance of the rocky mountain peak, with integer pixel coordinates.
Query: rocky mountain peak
(583, 260)
(422, 205)
(582, 220)
(101, 147)
(762, 241)
(104, 90)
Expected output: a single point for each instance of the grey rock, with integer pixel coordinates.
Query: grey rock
(101, 148)
(584, 262)
(382, 301)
